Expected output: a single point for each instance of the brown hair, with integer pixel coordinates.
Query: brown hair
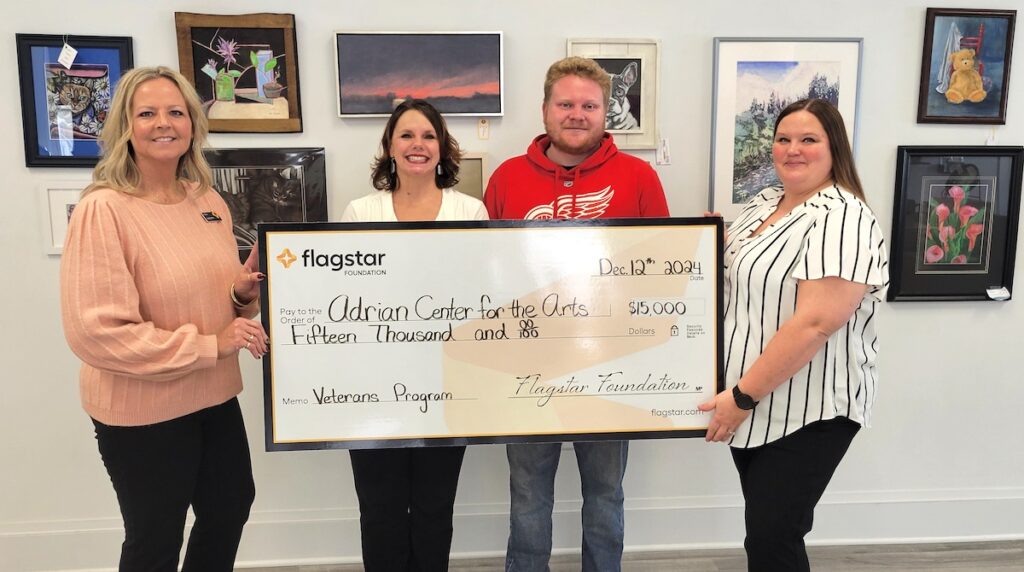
(585, 68)
(844, 171)
(117, 169)
(382, 176)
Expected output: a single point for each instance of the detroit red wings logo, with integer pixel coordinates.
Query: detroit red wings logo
(590, 205)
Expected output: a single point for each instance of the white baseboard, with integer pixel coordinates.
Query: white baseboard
(328, 536)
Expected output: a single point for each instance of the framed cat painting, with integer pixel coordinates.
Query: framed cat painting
(67, 84)
(269, 185)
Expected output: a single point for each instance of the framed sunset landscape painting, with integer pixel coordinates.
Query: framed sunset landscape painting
(459, 73)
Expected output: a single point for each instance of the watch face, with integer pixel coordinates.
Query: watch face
(743, 401)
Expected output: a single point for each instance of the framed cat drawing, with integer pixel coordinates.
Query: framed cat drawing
(269, 185)
(64, 100)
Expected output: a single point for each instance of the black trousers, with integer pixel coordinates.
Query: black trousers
(158, 471)
(782, 482)
(406, 499)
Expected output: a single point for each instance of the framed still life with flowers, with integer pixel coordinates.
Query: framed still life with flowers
(954, 231)
(245, 68)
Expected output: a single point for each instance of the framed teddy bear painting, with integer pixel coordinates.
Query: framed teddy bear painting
(965, 69)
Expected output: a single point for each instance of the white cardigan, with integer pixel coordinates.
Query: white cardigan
(378, 207)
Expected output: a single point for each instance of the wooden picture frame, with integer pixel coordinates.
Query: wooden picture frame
(63, 109)
(972, 87)
(245, 69)
(459, 73)
(954, 229)
(633, 118)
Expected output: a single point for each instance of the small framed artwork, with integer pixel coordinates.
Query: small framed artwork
(965, 68)
(245, 69)
(633, 105)
(755, 79)
(57, 201)
(63, 108)
(954, 229)
(269, 185)
(472, 175)
(459, 73)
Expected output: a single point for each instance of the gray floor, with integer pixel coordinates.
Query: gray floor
(952, 557)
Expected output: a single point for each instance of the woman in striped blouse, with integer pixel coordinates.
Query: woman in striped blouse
(805, 270)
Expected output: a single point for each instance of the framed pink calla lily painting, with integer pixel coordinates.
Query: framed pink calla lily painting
(954, 231)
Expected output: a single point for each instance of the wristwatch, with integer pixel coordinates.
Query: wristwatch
(743, 401)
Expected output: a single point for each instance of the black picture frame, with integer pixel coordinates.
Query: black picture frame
(989, 34)
(67, 134)
(266, 185)
(954, 229)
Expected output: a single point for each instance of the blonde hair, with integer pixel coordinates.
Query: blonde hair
(117, 169)
(585, 68)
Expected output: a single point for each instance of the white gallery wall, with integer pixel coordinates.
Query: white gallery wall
(944, 460)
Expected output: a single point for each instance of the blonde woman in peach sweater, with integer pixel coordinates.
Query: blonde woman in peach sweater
(157, 307)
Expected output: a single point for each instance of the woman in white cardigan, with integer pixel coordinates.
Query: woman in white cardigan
(406, 496)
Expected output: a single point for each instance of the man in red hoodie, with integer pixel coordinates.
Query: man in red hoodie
(572, 171)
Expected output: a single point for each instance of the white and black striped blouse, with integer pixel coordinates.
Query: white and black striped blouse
(832, 233)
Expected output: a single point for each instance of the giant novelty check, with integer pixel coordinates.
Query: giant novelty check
(386, 335)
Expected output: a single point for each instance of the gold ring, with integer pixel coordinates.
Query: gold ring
(248, 345)
(251, 337)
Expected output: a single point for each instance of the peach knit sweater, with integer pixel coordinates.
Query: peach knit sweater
(144, 293)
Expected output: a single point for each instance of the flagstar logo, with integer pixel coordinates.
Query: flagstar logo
(286, 258)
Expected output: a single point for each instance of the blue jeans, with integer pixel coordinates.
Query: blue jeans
(532, 469)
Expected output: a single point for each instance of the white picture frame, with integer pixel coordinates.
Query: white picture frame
(375, 71)
(753, 70)
(57, 199)
(646, 53)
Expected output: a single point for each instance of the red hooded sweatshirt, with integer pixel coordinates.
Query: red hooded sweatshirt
(607, 184)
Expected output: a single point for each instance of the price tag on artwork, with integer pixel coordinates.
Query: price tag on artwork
(67, 56)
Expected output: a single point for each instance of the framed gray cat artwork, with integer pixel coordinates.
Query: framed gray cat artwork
(67, 84)
(633, 105)
(269, 185)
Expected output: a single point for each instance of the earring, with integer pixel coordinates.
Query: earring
(394, 167)
(440, 170)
